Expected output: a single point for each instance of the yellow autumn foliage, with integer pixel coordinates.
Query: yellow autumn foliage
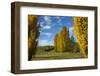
(81, 32)
(62, 40)
(55, 42)
(32, 35)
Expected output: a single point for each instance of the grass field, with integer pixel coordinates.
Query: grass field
(41, 54)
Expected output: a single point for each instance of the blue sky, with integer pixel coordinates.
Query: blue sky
(50, 25)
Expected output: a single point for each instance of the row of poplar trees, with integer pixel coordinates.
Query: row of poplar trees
(62, 39)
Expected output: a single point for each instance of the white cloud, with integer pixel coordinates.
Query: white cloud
(46, 34)
(46, 24)
(46, 27)
(71, 28)
(41, 24)
(44, 42)
(71, 31)
(47, 19)
(59, 19)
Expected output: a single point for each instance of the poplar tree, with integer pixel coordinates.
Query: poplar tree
(33, 33)
(81, 32)
(62, 40)
(55, 41)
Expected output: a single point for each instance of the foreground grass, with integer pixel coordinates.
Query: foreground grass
(43, 55)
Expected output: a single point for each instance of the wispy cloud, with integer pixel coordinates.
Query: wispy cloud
(46, 24)
(46, 34)
(58, 19)
(71, 28)
(47, 27)
(71, 31)
(47, 19)
(44, 42)
(41, 24)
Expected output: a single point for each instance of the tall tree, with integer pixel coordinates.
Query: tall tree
(33, 33)
(55, 41)
(81, 32)
(65, 38)
(62, 40)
